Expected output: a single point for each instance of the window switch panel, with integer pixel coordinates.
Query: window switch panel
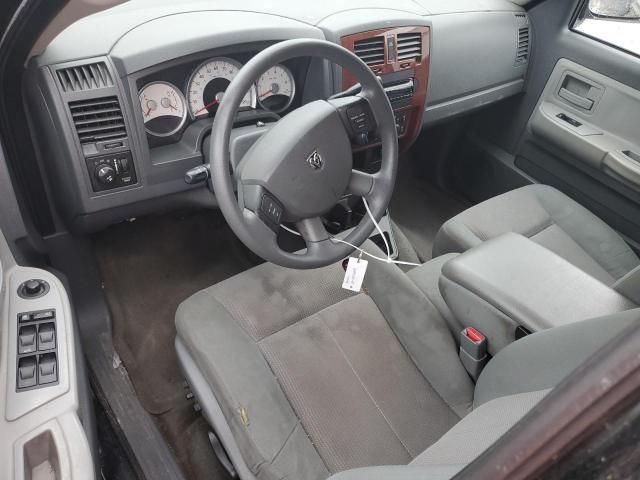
(36, 353)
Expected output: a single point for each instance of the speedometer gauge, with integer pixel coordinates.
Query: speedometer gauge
(276, 89)
(163, 109)
(208, 84)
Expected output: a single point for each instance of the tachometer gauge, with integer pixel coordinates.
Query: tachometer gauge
(208, 84)
(276, 89)
(163, 109)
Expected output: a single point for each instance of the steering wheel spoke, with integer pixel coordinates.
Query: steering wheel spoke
(312, 230)
(262, 203)
(361, 184)
(357, 117)
(315, 236)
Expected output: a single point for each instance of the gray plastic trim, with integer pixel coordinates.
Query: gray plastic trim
(212, 410)
(442, 7)
(116, 23)
(468, 103)
(166, 38)
(472, 62)
(52, 408)
(22, 402)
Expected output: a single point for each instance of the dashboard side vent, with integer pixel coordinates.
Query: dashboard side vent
(98, 119)
(84, 77)
(409, 46)
(522, 48)
(370, 50)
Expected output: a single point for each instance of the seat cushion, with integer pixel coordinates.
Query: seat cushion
(511, 385)
(288, 355)
(549, 218)
(358, 409)
(479, 430)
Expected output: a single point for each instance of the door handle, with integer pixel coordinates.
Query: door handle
(575, 99)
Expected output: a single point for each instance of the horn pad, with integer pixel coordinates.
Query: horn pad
(305, 161)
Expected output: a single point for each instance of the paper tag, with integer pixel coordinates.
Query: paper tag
(354, 274)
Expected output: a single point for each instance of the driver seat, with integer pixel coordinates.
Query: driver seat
(301, 379)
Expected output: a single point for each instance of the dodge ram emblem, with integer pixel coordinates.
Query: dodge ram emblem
(314, 160)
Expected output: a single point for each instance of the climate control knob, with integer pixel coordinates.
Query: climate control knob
(105, 174)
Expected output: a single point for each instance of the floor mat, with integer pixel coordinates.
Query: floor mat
(148, 267)
(420, 208)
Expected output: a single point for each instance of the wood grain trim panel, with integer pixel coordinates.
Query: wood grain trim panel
(419, 66)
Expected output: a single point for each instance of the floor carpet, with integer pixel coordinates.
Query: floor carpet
(148, 267)
(419, 209)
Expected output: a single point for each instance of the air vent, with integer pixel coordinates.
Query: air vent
(84, 77)
(522, 51)
(98, 119)
(409, 46)
(370, 50)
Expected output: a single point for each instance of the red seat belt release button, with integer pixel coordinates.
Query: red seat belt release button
(473, 351)
(474, 335)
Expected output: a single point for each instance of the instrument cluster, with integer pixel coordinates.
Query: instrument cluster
(166, 109)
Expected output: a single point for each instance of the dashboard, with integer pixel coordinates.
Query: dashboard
(119, 117)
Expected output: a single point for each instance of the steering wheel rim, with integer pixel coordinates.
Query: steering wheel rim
(246, 215)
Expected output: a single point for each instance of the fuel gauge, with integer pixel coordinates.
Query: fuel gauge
(163, 108)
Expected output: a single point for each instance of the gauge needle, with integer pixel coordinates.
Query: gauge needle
(148, 112)
(265, 93)
(210, 104)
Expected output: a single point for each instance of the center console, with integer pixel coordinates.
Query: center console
(510, 286)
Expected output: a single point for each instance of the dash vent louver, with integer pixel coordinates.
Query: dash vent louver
(522, 48)
(98, 119)
(370, 50)
(409, 46)
(84, 77)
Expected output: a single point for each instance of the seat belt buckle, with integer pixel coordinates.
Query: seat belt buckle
(473, 351)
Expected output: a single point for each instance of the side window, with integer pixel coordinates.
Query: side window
(616, 22)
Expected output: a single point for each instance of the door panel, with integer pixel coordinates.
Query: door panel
(42, 435)
(592, 118)
(582, 134)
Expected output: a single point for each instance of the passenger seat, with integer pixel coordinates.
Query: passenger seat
(551, 219)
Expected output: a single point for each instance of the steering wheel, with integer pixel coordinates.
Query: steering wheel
(301, 167)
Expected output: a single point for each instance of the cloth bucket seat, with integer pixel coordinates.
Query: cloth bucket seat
(301, 379)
